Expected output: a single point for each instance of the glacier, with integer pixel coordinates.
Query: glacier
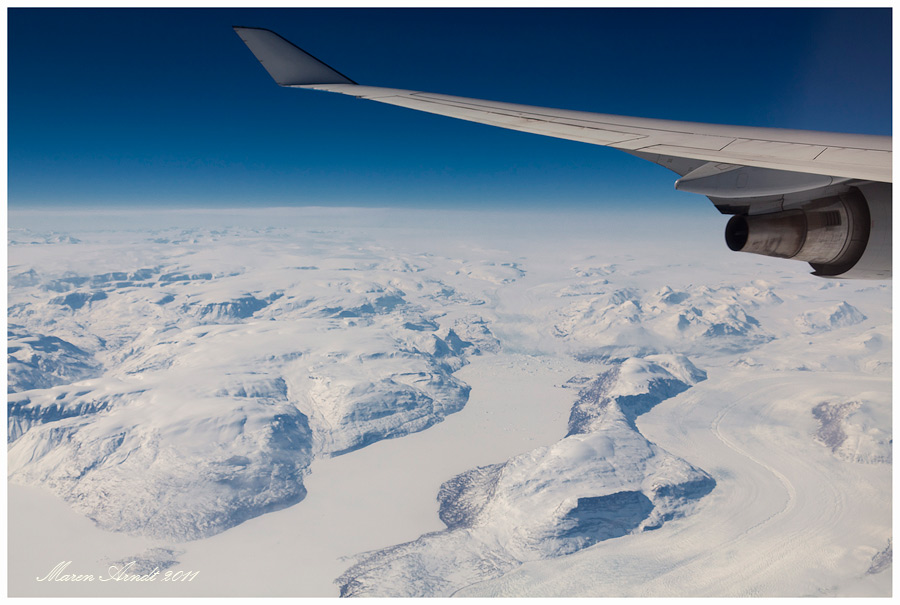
(253, 390)
(602, 481)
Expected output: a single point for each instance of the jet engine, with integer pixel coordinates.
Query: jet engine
(845, 235)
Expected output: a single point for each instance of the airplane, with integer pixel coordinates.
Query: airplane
(819, 197)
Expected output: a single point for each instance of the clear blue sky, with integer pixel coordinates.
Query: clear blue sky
(168, 107)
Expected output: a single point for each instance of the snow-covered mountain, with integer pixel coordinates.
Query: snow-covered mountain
(176, 382)
(228, 400)
(603, 480)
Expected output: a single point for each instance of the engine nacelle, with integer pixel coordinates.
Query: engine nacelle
(847, 235)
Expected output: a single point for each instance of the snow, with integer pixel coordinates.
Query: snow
(603, 480)
(783, 520)
(381, 402)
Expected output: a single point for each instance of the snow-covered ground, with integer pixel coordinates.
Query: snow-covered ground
(315, 402)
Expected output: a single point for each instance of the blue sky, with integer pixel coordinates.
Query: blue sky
(167, 107)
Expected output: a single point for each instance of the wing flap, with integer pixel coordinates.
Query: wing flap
(859, 157)
(776, 150)
(818, 166)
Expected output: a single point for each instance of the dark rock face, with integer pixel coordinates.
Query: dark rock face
(594, 399)
(77, 300)
(605, 517)
(462, 498)
(39, 361)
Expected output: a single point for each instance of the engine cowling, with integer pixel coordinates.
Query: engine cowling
(846, 235)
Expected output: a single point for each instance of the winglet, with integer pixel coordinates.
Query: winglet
(287, 64)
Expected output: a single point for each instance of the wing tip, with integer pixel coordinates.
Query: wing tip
(287, 63)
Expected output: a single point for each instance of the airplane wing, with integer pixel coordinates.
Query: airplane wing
(824, 198)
